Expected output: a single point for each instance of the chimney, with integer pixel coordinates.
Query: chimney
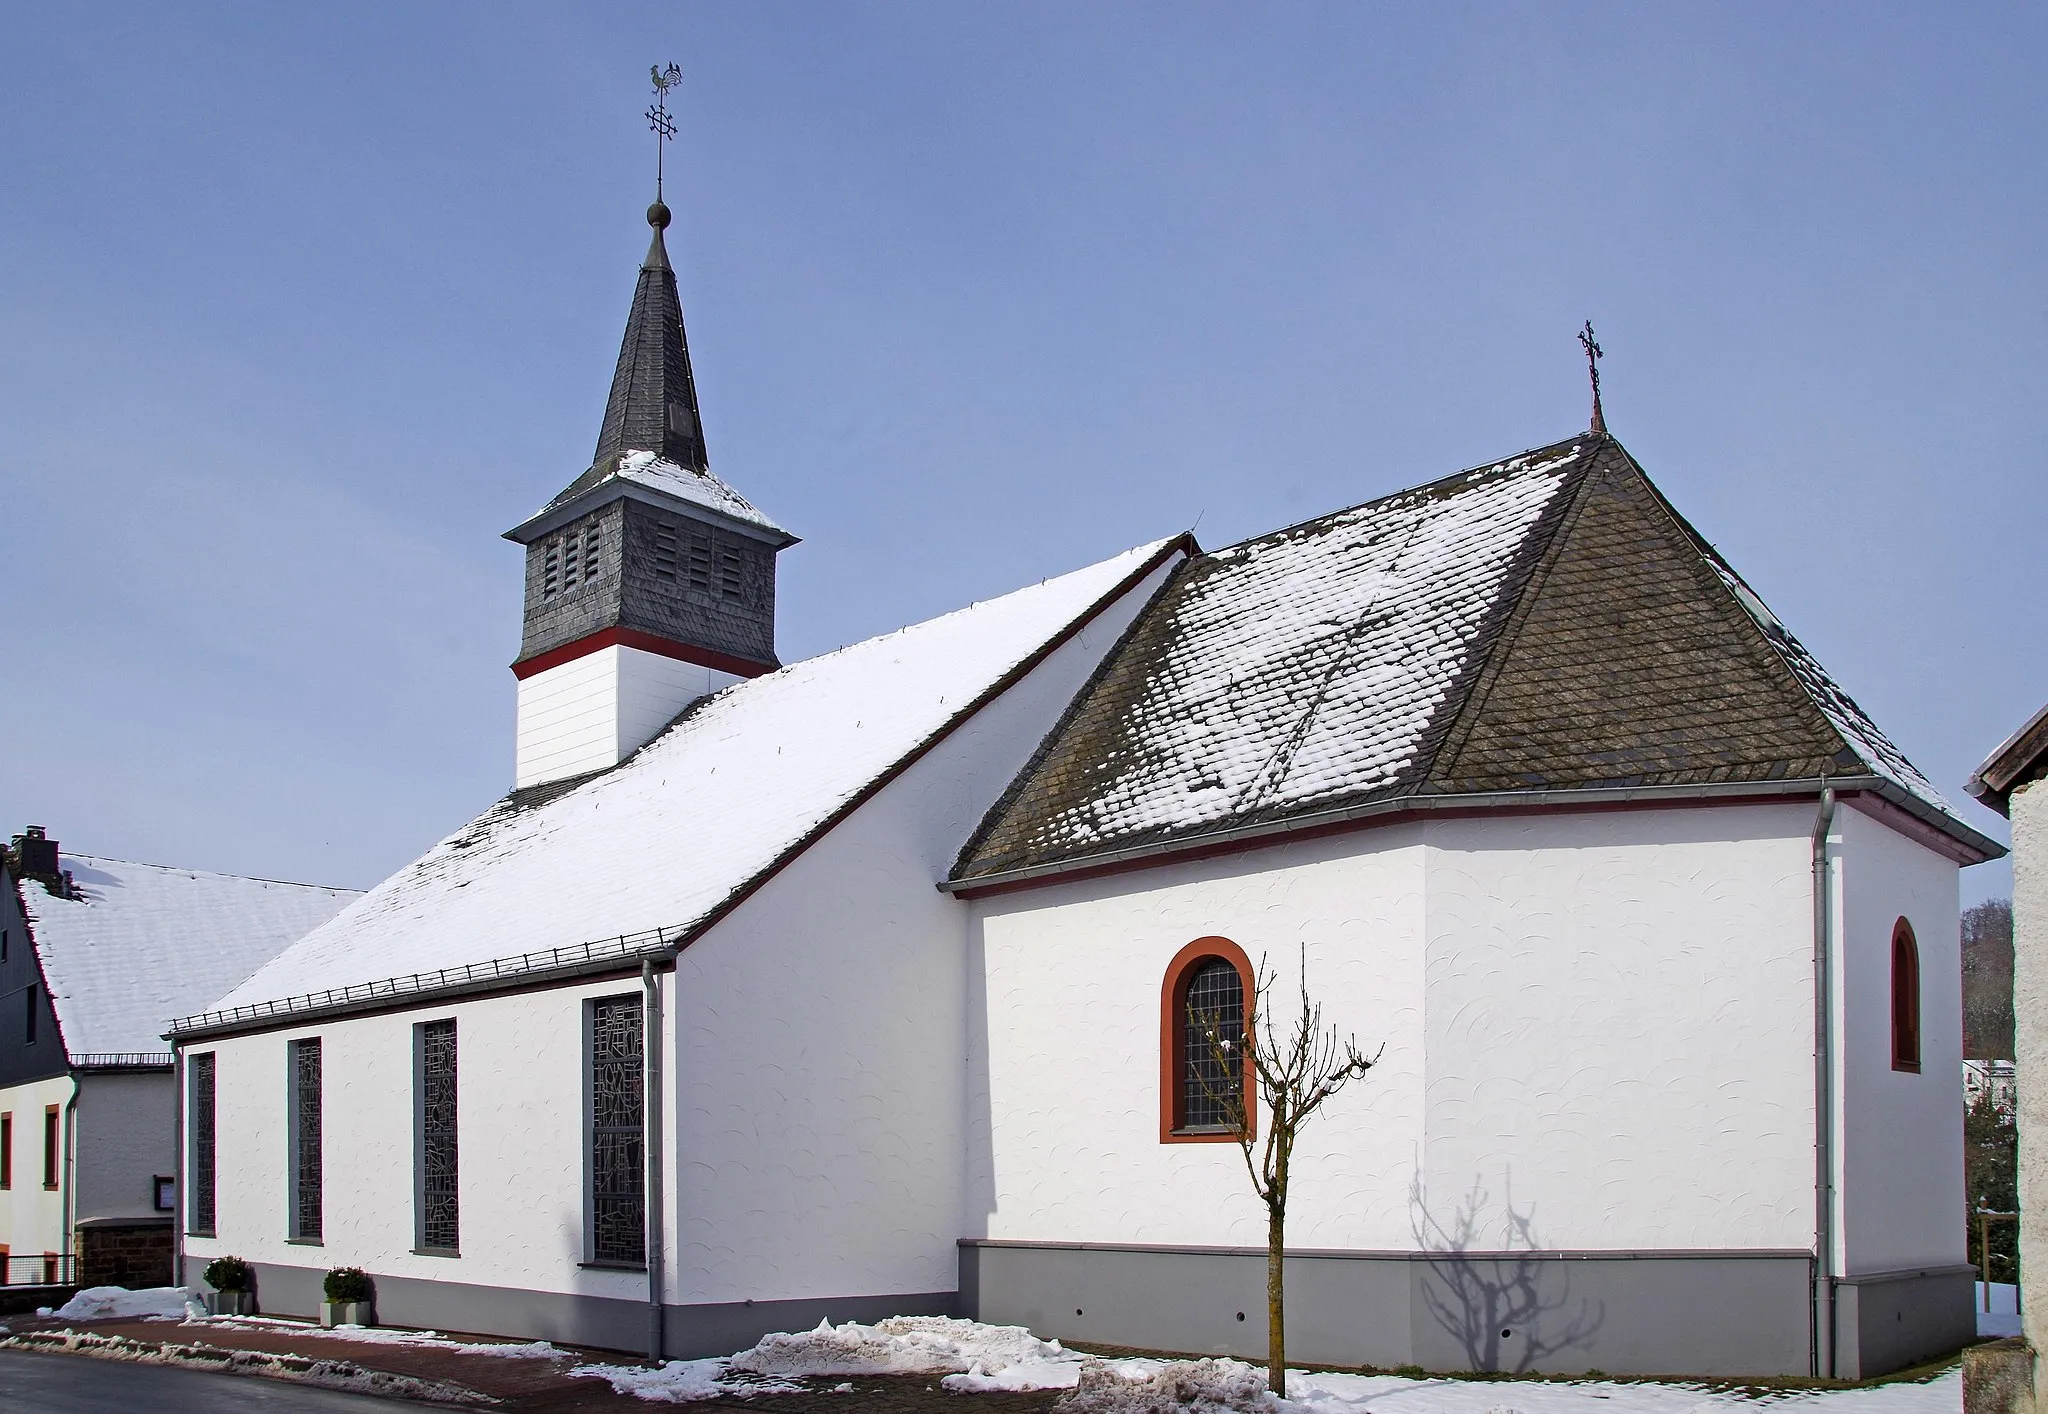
(35, 857)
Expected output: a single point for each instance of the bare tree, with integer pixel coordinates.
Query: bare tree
(1293, 1078)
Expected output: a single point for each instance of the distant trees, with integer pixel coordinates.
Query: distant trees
(1991, 1181)
(1987, 981)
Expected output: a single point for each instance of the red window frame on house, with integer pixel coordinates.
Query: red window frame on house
(7, 1149)
(51, 1129)
(1905, 999)
(1173, 1038)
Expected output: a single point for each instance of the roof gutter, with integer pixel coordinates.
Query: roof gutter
(1972, 846)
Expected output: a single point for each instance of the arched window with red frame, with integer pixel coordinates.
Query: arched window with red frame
(1206, 998)
(1905, 998)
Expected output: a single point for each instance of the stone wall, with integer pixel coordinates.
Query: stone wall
(131, 1254)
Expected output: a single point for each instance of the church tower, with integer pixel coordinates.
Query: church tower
(649, 582)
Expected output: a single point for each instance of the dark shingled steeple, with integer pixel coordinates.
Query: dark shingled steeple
(653, 406)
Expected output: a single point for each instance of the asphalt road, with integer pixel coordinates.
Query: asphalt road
(77, 1384)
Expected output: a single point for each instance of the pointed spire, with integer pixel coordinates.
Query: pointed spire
(653, 403)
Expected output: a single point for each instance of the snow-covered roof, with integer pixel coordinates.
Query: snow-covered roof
(658, 473)
(1545, 623)
(143, 943)
(717, 800)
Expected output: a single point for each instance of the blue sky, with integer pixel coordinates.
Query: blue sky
(304, 305)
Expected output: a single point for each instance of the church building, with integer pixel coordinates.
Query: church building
(860, 986)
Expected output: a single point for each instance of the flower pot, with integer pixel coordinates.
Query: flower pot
(230, 1303)
(347, 1313)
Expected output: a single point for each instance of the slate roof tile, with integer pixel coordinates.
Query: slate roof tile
(1547, 622)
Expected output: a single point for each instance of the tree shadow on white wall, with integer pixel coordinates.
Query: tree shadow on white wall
(1508, 1307)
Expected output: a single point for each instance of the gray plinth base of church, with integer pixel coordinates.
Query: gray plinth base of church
(607, 1323)
(1648, 1313)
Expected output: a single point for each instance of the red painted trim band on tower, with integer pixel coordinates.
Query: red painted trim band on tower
(646, 643)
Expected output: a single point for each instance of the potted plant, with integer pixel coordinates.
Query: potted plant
(233, 1282)
(350, 1298)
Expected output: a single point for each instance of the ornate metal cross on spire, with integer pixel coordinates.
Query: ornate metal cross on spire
(659, 121)
(1593, 356)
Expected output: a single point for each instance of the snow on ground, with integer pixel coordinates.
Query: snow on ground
(1392, 1394)
(988, 1358)
(118, 1303)
(386, 1335)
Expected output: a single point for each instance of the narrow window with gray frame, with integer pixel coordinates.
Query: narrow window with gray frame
(616, 1068)
(436, 1201)
(305, 1147)
(201, 1111)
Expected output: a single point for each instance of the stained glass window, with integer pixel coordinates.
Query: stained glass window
(439, 1211)
(1215, 1012)
(618, 1210)
(202, 1178)
(305, 1155)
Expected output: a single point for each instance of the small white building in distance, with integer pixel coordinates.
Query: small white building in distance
(96, 957)
(859, 986)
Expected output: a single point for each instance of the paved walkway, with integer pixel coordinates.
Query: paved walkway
(504, 1383)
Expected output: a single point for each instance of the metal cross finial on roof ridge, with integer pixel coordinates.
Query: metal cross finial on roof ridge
(659, 120)
(1594, 353)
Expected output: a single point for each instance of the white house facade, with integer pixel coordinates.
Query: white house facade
(859, 986)
(96, 956)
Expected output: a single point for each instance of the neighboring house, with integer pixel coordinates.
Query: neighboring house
(1995, 1078)
(96, 956)
(2010, 783)
(859, 987)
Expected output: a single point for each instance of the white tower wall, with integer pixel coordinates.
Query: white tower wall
(592, 712)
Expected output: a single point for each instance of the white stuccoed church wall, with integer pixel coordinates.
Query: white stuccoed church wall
(519, 1079)
(1620, 1030)
(820, 1102)
(594, 711)
(1597, 1023)
(1064, 1060)
(1598, 1040)
(1901, 1200)
(1900, 1245)
(814, 1097)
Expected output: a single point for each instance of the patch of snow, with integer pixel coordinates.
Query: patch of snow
(1197, 1386)
(1393, 1394)
(677, 1381)
(118, 1303)
(143, 943)
(762, 764)
(386, 1335)
(902, 1345)
(658, 473)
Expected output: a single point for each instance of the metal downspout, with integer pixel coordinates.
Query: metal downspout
(651, 1062)
(178, 1165)
(69, 1210)
(1823, 1100)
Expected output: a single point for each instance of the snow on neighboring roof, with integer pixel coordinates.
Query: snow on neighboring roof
(670, 834)
(658, 473)
(143, 943)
